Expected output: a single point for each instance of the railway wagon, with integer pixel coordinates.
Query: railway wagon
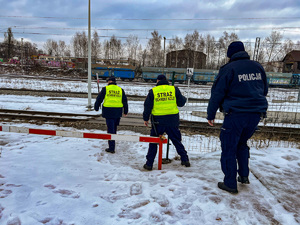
(279, 79)
(151, 73)
(201, 76)
(101, 72)
(123, 73)
(105, 72)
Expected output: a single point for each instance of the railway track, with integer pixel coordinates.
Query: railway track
(76, 94)
(132, 122)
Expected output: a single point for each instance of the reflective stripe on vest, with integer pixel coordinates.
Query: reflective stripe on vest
(113, 96)
(164, 100)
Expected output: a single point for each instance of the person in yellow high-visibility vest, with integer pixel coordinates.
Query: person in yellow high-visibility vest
(114, 103)
(162, 105)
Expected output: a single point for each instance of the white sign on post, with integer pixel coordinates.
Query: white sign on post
(190, 71)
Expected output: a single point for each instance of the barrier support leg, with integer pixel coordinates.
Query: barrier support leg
(160, 154)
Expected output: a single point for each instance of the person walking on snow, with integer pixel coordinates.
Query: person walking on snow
(115, 101)
(240, 91)
(162, 104)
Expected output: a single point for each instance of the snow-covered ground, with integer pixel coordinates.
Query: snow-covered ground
(61, 180)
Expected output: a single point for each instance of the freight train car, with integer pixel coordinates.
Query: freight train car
(151, 73)
(101, 72)
(279, 79)
(204, 76)
(105, 72)
(199, 76)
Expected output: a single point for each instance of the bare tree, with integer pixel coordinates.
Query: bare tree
(154, 50)
(115, 46)
(96, 46)
(68, 51)
(272, 45)
(61, 48)
(201, 44)
(106, 47)
(51, 47)
(287, 47)
(80, 44)
(132, 43)
(9, 42)
(29, 49)
(209, 49)
(141, 55)
(191, 41)
(175, 44)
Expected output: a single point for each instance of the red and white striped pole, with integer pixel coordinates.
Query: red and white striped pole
(116, 137)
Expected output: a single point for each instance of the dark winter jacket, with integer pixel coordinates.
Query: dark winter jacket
(109, 112)
(166, 120)
(241, 86)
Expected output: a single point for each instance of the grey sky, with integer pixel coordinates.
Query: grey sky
(39, 20)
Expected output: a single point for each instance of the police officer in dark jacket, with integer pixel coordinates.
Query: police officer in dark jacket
(240, 91)
(115, 101)
(161, 104)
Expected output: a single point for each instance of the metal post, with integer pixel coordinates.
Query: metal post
(22, 55)
(89, 61)
(160, 154)
(256, 48)
(188, 95)
(173, 78)
(164, 55)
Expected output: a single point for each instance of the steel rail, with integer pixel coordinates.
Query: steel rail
(132, 120)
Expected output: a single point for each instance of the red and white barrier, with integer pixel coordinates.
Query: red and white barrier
(116, 137)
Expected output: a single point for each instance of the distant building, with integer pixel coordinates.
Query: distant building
(291, 62)
(186, 59)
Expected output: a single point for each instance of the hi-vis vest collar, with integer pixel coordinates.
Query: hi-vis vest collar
(164, 101)
(113, 96)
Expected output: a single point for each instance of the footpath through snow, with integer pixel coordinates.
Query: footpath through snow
(58, 180)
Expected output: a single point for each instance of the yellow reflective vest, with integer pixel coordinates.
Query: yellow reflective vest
(113, 96)
(164, 100)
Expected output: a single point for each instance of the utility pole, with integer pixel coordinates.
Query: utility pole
(89, 106)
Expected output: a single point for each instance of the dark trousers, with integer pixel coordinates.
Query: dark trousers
(112, 125)
(175, 136)
(236, 130)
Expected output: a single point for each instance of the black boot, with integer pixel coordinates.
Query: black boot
(110, 151)
(222, 186)
(147, 167)
(243, 180)
(186, 163)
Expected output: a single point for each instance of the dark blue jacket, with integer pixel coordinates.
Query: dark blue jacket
(110, 112)
(241, 86)
(167, 120)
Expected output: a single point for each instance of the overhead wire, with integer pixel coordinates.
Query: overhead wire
(156, 19)
(290, 29)
(158, 29)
